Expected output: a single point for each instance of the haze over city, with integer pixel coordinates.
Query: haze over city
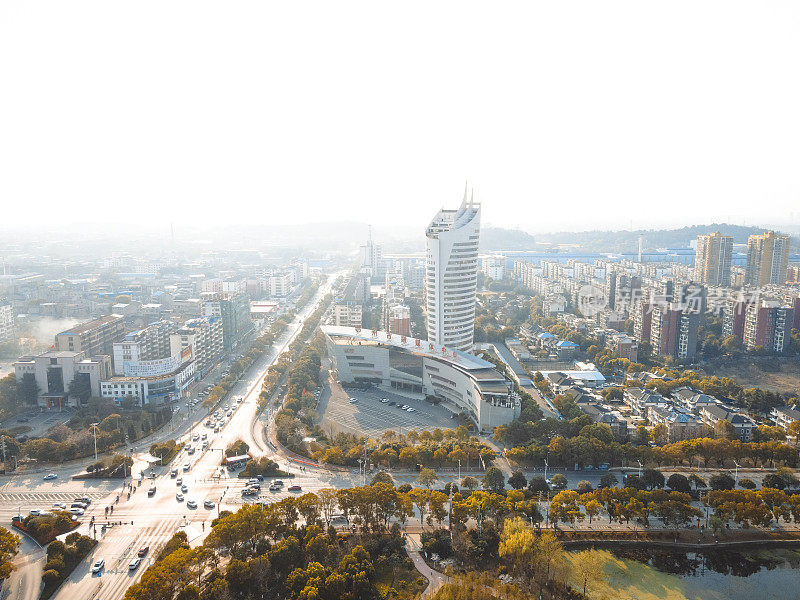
(630, 114)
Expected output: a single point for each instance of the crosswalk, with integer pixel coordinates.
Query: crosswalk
(34, 497)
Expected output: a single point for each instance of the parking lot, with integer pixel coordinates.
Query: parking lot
(372, 417)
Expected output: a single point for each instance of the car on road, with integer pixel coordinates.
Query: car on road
(186, 467)
(274, 488)
(190, 450)
(205, 444)
(184, 488)
(191, 504)
(248, 491)
(411, 409)
(173, 473)
(209, 504)
(77, 510)
(179, 481)
(143, 551)
(384, 401)
(60, 505)
(98, 566)
(204, 436)
(255, 480)
(295, 488)
(151, 492)
(278, 482)
(50, 477)
(134, 564)
(195, 437)
(353, 400)
(179, 497)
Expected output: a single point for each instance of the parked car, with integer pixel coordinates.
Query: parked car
(384, 401)
(184, 488)
(77, 510)
(50, 476)
(191, 504)
(98, 566)
(179, 497)
(85, 499)
(37, 512)
(151, 492)
(278, 482)
(295, 488)
(60, 505)
(209, 504)
(353, 400)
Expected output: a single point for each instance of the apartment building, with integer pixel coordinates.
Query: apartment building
(768, 325)
(148, 344)
(234, 310)
(767, 259)
(204, 337)
(400, 320)
(493, 267)
(713, 259)
(6, 322)
(93, 337)
(680, 424)
(347, 315)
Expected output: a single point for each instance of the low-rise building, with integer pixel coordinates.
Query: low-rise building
(783, 416)
(742, 424)
(640, 400)
(465, 383)
(680, 424)
(93, 337)
(55, 371)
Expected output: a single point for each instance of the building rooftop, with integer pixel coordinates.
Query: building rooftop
(354, 336)
(89, 325)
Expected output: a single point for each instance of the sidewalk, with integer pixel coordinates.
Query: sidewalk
(435, 579)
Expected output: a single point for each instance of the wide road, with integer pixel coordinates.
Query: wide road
(144, 520)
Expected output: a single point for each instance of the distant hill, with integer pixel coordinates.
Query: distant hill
(627, 241)
(499, 238)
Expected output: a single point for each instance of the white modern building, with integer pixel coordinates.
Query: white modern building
(463, 382)
(451, 275)
(152, 381)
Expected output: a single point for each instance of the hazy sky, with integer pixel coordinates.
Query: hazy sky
(564, 115)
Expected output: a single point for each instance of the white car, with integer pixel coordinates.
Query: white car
(50, 476)
(184, 488)
(60, 505)
(209, 504)
(191, 504)
(385, 401)
(179, 497)
(37, 512)
(410, 409)
(186, 467)
(77, 510)
(135, 564)
(98, 566)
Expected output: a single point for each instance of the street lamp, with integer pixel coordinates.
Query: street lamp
(640, 468)
(736, 477)
(459, 470)
(93, 427)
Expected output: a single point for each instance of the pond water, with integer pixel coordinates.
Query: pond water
(751, 574)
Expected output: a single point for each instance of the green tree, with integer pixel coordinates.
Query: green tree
(427, 477)
(493, 479)
(517, 480)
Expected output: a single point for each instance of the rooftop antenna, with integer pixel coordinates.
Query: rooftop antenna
(640, 248)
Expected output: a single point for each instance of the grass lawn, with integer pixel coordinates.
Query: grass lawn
(780, 375)
(630, 580)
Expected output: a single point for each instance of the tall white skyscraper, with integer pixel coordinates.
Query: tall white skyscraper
(451, 275)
